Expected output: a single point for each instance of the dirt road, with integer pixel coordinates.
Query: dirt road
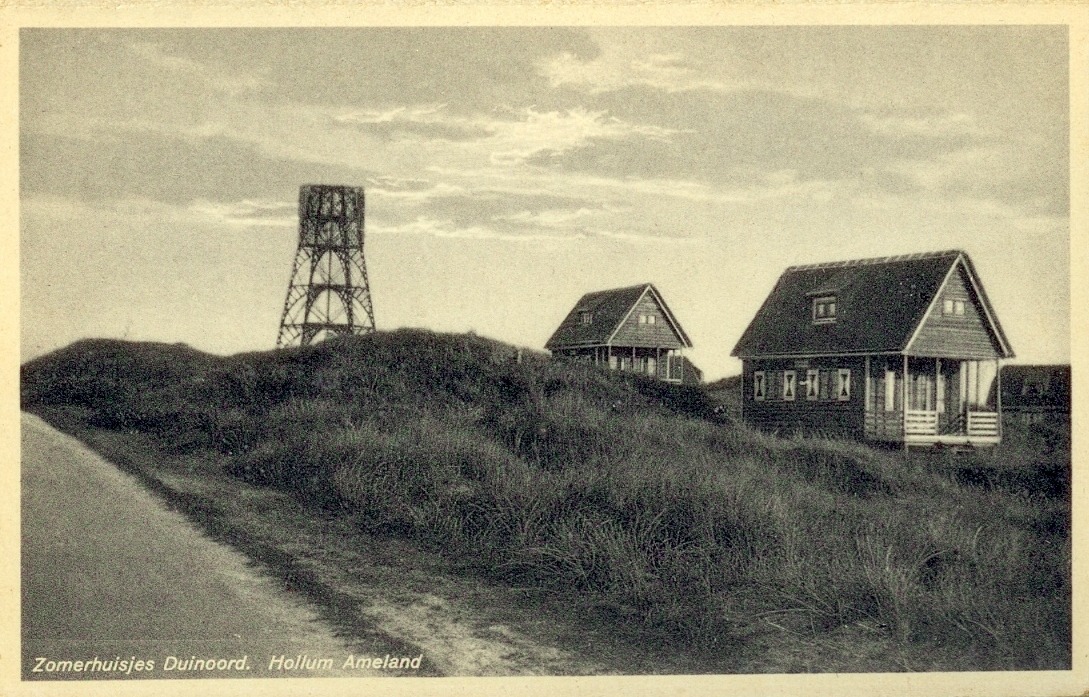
(115, 585)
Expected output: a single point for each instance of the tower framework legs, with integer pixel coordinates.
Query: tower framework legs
(329, 294)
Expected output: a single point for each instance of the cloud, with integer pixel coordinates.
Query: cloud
(446, 228)
(534, 133)
(938, 126)
(407, 191)
(626, 64)
(153, 56)
(113, 216)
(993, 173)
(246, 213)
(504, 137)
(428, 122)
(552, 218)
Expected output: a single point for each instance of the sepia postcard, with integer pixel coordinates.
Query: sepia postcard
(580, 348)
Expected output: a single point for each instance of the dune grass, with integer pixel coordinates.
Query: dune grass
(626, 492)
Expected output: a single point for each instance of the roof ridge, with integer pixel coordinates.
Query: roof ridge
(613, 290)
(874, 260)
(609, 291)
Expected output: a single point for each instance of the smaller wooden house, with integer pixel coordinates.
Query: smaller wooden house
(902, 350)
(629, 329)
(1036, 393)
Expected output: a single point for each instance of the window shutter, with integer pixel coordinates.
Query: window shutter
(812, 384)
(789, 385)
(843, 384)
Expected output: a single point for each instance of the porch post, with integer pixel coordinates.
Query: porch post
(939, 397)
(962, 393)
(998, 395)
(866, 403)
(978, 381)
(904, 402)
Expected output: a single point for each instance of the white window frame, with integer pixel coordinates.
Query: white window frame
(759, 385)
(651, 319)
(824, 309)
(952, 307)
(586, 317)
(790, 379)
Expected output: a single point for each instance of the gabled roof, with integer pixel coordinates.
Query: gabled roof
(880, 306)
(610, 308)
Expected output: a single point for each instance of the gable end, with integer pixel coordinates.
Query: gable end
(959, 322)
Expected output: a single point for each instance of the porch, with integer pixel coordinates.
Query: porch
(666, 364)
(972, 428)
(933, 401)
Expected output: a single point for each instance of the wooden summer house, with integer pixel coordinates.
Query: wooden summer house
(902, 350)
(1036, 393)
(629, 329)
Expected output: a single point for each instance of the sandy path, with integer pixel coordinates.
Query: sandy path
(109, 573)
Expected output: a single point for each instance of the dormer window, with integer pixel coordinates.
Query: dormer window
(586, 317)
(824, 309)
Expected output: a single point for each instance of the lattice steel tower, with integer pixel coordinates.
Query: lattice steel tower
(328, 294)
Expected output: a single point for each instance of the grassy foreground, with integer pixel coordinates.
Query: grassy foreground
(623, 491)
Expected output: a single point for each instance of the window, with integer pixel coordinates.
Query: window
(824, 309)
(843, 384)
(759, 386)
(1035, 386)
(812, 384)
(586, 317)
(650, 319)
(646, 319)
(953, 307)
(789, 385)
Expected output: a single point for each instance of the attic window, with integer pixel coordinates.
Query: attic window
(953, 307)
(646, 319)
(586, 317)
(824, 309)
(1035, 386)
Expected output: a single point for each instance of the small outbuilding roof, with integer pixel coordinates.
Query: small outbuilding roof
(880, 304)
(609, 309)
(1036, 387)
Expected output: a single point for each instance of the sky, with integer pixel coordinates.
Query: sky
(508, 171)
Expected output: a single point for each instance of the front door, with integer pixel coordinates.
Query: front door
(951, 417)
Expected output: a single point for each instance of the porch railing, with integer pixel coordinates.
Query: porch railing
(921, 423)
(982, 423)
(925, 423)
